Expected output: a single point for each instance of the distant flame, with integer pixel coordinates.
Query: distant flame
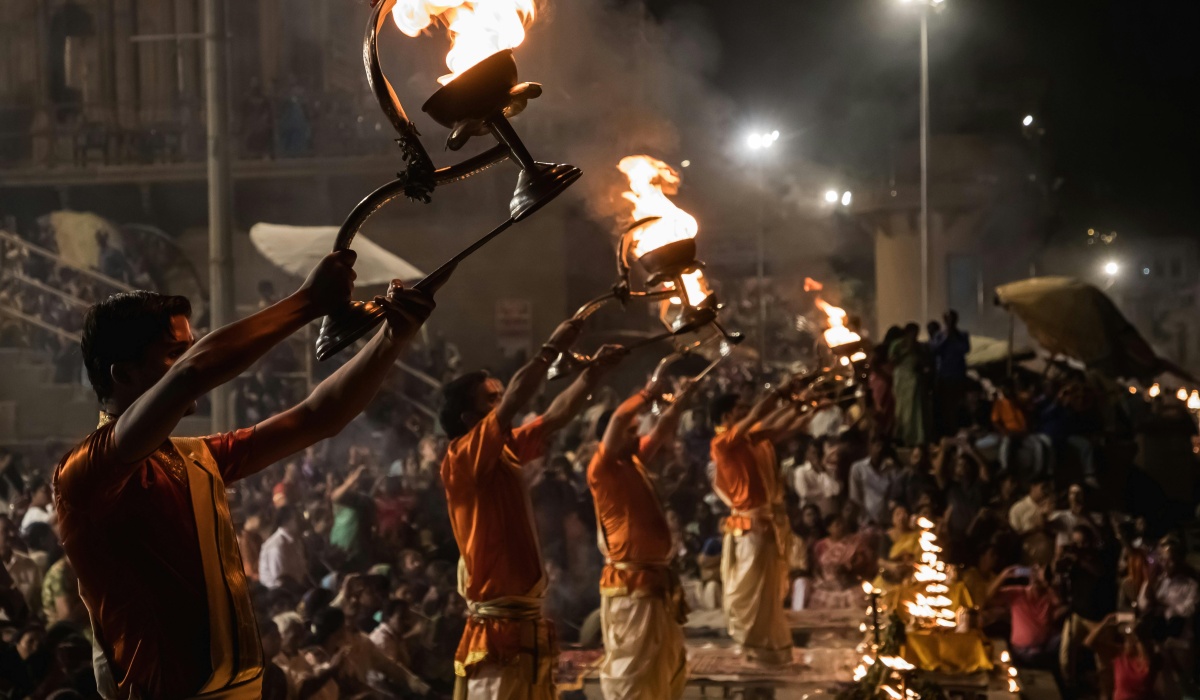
(650, 181)
(837, 333)
(1193, 401)
(1182, 394)
(478, 28)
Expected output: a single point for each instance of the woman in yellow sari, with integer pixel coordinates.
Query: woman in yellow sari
(899, 549)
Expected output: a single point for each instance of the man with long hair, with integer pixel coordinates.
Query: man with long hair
(641, 601)
(143, 516)
(507, 650)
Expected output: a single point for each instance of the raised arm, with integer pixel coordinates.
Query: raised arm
(570, 402)
(224, 354)
(528, 380)
(763, 408)
(344, 394)
(623, 418)
(668, 422)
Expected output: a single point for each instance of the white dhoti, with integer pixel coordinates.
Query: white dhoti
(755, 575)
(644, 656)
(513, 681)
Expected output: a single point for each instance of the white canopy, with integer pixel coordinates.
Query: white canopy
(296, 249)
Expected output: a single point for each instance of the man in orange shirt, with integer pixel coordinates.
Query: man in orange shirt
(507, 650)
(641, 603)
(143, 516)
(754, 569)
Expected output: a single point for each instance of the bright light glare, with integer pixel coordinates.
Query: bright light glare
(1111, 268)
(831, 196)
(686, 163)
(1028, 120)
(845, 199)
(757, 141)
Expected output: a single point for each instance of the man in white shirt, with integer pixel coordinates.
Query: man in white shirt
(41, 509)
(871, 480)
(1175, 595)
(282, 554)
(1062, 522)
(813, 482)
(827, 421)
(1029, 514)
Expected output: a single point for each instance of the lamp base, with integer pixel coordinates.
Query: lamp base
(536, 189)
(341, 329)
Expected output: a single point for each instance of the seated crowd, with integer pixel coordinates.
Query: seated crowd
(354, 565)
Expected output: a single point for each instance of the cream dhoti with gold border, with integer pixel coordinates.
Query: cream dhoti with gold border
(644, 655)
(755, 579)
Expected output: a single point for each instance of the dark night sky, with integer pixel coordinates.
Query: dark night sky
(1110, 82)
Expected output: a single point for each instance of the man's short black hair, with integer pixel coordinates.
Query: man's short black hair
(285, 514)
(121, 328)
(721, 406)
(458, 397)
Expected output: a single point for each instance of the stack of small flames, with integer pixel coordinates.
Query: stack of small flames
(931, 608)
(1191, 399)
(894, 681)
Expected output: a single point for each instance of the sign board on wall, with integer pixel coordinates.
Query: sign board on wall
(514, 326)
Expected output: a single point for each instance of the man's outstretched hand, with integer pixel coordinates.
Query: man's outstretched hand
(406, 309)
(330, 284)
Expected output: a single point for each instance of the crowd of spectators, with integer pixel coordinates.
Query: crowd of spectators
(354, 566)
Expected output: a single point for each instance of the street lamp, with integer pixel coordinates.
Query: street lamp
(926, 7)
(759, 141)
(1111, 268)
(1028, 120)
(831, 196)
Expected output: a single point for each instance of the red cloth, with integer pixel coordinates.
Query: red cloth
(1032, 615)
(130, 533)
(1131, 678)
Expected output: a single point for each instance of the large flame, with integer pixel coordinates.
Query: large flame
(650, 181)
(837, 333)
(478, 28)
(695, 287)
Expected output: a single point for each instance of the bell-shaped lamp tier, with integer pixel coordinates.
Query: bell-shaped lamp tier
(339, 330)
(669, 260)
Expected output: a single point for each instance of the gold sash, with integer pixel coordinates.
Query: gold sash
(235, 644)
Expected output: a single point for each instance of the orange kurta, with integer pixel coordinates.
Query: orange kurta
(492, 520)
(153, 545)
(746, 478)
(633, 527)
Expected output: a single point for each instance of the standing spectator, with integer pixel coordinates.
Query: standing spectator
(871, 480)
(351, 529)
(950, 347)
(1170, 602)
(250, 542)
(814, 483)
(966, 498)
(1089, 587)
(283, 558)
(257, 122)
(22, 570)
(883, 401)
(910, 387)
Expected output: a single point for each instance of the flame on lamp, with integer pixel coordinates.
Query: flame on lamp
(478, 28)
(650, 181)
(1193, 401)
(1154, 391)
(1182, 394)
(695, 288)
(837, 333)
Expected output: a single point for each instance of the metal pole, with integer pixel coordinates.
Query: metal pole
(925, 281)
(220, 225)
(761, 272)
